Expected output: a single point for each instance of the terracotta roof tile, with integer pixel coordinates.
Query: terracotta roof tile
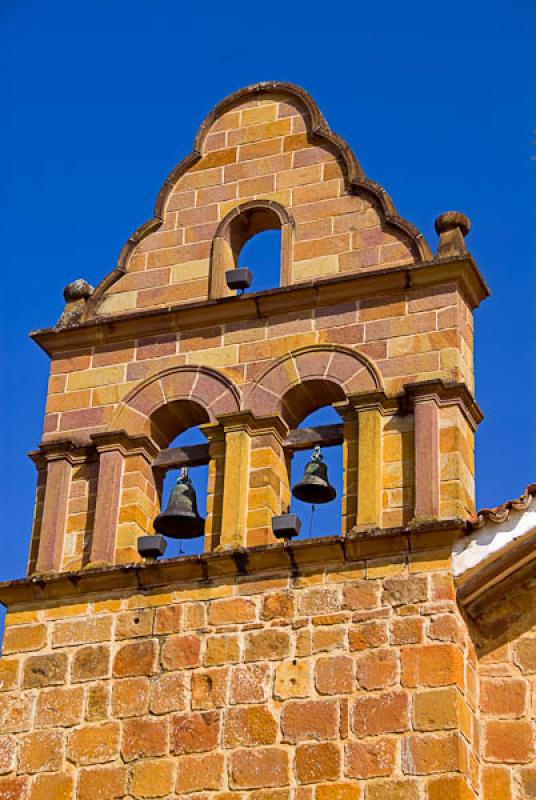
(500, 513)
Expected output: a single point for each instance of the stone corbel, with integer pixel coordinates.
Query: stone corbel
(113, 447)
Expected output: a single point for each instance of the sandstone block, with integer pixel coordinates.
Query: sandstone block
(249, 726)
(9, 672)
(371, 759)
(135, 658)
(361, 594)
(233, 611)
(90, 663)
(249, 683)
(394, 790)
(426, 754)
(338, 791)
(432, 665)
(317, 762)
(44, 787)
(130, 697)
(368, 635)
(201, 773)
(405, 591)
(8, 751)
(181, 652)
(267, 645)
(40, 751)
(167, 694)
(312, 719)
(525, 655)
(62, 707)
(292, 679)
(377, 669)
(48, 670)
(153, 778)
(94, 744)
(168, 619)
(102, 783)
(133, 624)
(222, 650)
(319, 601)
(383, 713)
(97, 702)
(452, 787)
(508, 741)
(195, 733)
(437, 709)
(24, 638)
(12, 788)
(334, 674)
(277, 605)
(144, 738)
(209, 688)
(262, 767)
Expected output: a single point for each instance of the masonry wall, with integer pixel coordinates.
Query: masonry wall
(354, 681)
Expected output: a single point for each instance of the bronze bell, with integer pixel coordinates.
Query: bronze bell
(181, 519)
(314, 487)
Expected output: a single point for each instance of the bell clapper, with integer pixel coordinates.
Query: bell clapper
(313, 507)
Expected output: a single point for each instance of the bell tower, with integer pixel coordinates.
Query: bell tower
(259, 668)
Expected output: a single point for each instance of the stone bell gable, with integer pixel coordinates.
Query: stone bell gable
(376, 661)
(361, 315)
(264, 159)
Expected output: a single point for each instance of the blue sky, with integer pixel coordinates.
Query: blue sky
(101, 99)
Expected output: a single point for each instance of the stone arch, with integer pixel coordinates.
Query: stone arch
(240, 225)
(309, 377)
(173, 400)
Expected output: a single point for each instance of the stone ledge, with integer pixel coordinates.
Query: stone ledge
(260, 305)
(292, 556)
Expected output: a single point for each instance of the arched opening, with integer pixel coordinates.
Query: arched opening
(198, 475)
(262, 255)
(176, 429)
(257, 235)
(325, 519)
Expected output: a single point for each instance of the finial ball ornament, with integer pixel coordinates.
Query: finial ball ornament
(451, 220)
(77, 290)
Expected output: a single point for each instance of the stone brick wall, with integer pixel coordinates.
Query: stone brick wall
(352, 681)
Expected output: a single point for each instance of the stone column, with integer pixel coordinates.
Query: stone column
(363, 458)
(254, 475)
(114, 448)
(59, 458)
(426, 411)
(445, 419)
(216, 471)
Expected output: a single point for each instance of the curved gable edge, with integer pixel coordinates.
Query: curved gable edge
(317, 128)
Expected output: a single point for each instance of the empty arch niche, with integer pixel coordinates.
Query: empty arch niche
(236, 231)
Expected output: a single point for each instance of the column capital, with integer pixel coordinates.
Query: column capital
(60, 450)
(365, 401)
(127, 445)
(246, 420)
(446, 394)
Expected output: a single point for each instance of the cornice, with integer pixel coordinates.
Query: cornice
(261, 305)
(290, 557)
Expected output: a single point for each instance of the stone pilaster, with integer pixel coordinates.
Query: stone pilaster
(115, 449)
(57, 459)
